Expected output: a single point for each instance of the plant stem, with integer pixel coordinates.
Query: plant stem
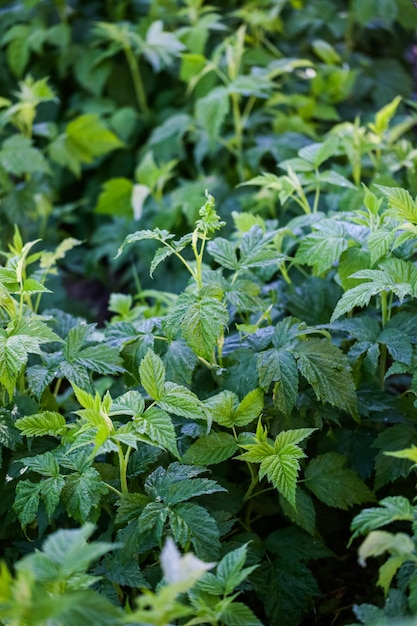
(137, 79)
(237, 122)
(123, 459)
(317, 193)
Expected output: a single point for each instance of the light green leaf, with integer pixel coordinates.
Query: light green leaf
(380, 242)
(333, 178)
(157, 425)
(19, 157)
(211, 111)
(211, 449)
(326, 52)
(360, 295)
(116, 198)
(334, 484)
(201, 321)
(181, 401)
(89, 137)
(388, 570)
(152, 375)
(41, 424)
(391, 509)
(380, 541)
(230, 571)
(401, 203)
(249, 408)
(161, 46)
(72, 553)
(238, 614)
(323, 248)
(317, 153)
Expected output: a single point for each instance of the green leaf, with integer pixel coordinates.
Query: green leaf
(279, 463)
(83, 351)
(211, 449)
(292, 543)
(380, 242)
(71, 552)
(279, 366)
(180, 362)
(211, 111)
(18, 157)
(82, 493)
(238, 614)
(249, 408)
(351, 261)
(388, 468)
(18, 49)
(200, 526)
(15, 348)
(201, 320)
(327, 370)
(116, 198)
(360, 295)
(391, 509)
(152, 375)
(223, 252)
(26, 502)
(50, 490)
(89, 137)
(398, 344)
(157, 425)
(380, 541)
(303, 513)
(334, 484)
(257, 249)
(230, 571)
(161, 46)
(317, 153)
(41, 424)
(401, 203)
(44, 464)
(181, 401)
(179, 483)
(286, 588)
(322, 248)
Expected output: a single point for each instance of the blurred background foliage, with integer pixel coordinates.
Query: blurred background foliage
(119, 113)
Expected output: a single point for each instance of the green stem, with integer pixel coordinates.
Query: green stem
(384, 307)
(57, 386)
(116, 491)
(123, 459)
(237, 122)
(137, 79)
(198, 274)
(317, 193)
(183, 261)
(254, 481)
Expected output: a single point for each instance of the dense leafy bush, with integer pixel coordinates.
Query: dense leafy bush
(229, 375)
